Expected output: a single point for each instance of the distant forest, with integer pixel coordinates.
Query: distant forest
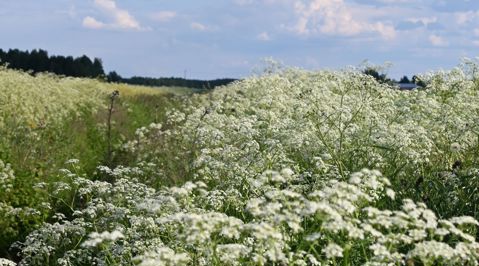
(177, 82)
(37, 61)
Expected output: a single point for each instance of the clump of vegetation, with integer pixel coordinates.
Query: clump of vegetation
(46, 120)
(289, 168)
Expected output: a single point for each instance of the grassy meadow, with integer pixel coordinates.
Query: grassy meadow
(292, 167)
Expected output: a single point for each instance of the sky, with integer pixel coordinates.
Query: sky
(208, 39)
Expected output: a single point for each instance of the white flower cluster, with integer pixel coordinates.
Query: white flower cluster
(163, 256)
(5, 262)
(271, 174)
(43, 100)
(6, 177)
(95, 239)
(173, 226)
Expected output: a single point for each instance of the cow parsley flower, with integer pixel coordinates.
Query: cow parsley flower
(5, 262)
(333, 250)
(95, 238)
(72, 161)
(455, 147)
(163, 256)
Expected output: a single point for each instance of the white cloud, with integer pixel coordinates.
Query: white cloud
(437, 40)
(465, 17)
(92, 23)
(198, 26)
(335, 17)
(264, 36)
(121, 18)
(386, 31)
(106, 4)
(164, 16)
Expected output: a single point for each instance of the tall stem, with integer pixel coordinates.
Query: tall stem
(113, 96)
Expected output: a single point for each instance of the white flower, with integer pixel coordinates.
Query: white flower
(287, 173)
(313, 237)
(5, 262)
(464, 220)
(333, 250)
(380, 251)
(72, 161)
(163, 256)
(356, 178)
(429, 251)
(312, 260)
(390, 193)
(232, 253)
(94, 239)
(455, 147)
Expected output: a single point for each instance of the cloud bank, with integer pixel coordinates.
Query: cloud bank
(335, 17)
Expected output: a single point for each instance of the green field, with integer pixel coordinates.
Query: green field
(290, 168)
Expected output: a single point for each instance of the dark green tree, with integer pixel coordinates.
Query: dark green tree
(380, 77)
(39, 61)
(404, 79)
(97, 68)
(113, 77)
(416, 80)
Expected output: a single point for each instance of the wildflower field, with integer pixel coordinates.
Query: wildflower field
(288, 168)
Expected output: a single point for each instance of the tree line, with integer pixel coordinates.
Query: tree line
(170, 82)
(39, 60)
(383, 78)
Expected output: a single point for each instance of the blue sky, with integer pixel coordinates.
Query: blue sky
(213, 38)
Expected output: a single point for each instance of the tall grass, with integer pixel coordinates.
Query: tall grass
(46, 120)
